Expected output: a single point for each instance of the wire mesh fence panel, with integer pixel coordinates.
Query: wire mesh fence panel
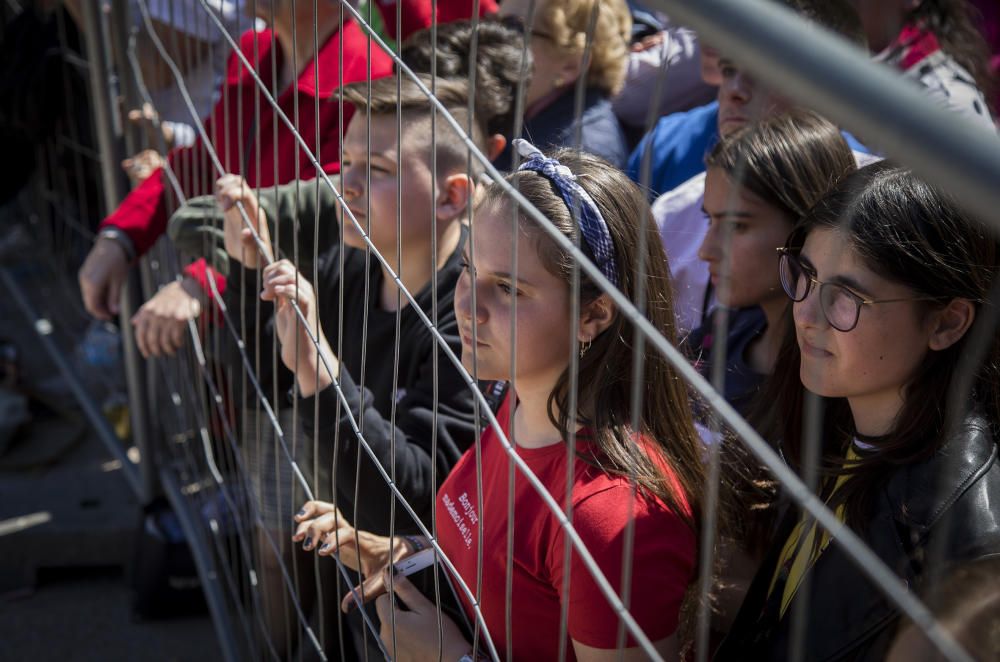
(386, 339)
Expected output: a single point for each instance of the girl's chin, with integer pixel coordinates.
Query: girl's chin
(817, 384)
(483, 371)
(352, 237)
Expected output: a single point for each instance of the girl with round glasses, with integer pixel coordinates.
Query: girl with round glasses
(887, 278)
(840, 304)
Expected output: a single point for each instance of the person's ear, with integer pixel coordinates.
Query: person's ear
(951, 323)
(456, 193)
(595, 317)
(495, 145)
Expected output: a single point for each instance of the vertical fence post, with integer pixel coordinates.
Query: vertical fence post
(140, 380)
(109, 133)
(110, 55)
(104, 94)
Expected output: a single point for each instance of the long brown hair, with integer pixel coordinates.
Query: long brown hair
(789, 161)
(605, 377)
(909, 232)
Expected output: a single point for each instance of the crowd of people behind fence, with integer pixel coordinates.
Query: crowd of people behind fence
(852, 303)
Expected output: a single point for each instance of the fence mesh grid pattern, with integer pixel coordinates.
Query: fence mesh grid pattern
(240, 448)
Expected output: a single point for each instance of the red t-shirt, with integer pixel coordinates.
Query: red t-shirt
(663, 557)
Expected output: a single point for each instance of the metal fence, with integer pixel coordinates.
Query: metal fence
(220, 439)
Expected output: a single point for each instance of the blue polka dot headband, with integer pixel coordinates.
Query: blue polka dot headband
(593, 228)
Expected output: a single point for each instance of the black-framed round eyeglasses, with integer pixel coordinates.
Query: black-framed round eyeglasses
(841, 307)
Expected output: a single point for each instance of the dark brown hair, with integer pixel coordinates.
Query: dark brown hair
(500, 60)
(788, 160)
(383, 98)
(908, 232)
(604, 397)
(838, 16)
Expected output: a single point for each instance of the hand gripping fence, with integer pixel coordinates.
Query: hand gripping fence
(563, 521)
(966, 160)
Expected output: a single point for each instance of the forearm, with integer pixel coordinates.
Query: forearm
(313, 373)
(358, 476)
(197, 227)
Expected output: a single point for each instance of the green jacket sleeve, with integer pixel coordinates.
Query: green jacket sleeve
(298, 208)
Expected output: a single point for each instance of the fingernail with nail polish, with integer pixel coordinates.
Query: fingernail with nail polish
(308, 543)
(301, 513)
(325, 547)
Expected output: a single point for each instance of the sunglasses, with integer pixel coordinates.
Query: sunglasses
(841, 307)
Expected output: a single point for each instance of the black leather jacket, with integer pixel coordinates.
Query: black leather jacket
(930, 515)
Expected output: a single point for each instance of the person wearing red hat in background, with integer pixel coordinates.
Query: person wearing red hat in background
(254, 143)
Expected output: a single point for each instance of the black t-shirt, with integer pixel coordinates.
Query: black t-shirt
(420, 438)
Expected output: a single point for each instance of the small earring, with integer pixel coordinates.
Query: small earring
(558, 81)
(584, 346)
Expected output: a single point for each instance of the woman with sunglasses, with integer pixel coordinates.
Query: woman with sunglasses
(887, 277)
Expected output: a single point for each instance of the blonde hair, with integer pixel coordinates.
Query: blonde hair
(566, 22)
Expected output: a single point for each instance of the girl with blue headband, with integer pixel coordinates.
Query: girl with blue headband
(630, 472)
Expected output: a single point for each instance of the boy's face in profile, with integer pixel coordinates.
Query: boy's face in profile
(399, 182)
(742, 100)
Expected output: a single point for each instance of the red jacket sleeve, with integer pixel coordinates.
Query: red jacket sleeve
(142, 215)
(416, 14)
(201, 272)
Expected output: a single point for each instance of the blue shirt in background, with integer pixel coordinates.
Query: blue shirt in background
(679, 144)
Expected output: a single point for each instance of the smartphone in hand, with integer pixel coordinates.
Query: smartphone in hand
(419, 570)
